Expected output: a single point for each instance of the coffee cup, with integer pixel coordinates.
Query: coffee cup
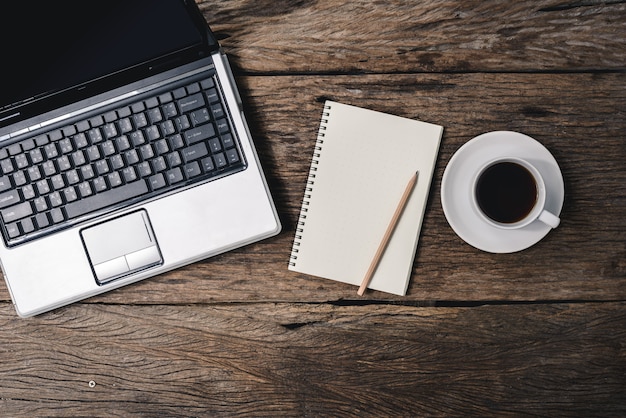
(510, 193)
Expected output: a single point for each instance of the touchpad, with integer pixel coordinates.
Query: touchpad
(121, 246)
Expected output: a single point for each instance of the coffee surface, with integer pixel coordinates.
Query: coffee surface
(506, 192)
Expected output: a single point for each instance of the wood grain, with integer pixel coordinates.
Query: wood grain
(407, 36)
(540, 332)
(315, 359)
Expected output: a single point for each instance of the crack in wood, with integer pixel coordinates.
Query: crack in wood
(577, 4)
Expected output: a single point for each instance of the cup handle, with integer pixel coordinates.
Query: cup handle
(549, 219)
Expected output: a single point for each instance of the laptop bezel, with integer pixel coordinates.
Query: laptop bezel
(15, 116)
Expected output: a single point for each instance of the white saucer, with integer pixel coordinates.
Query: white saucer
(456, 190)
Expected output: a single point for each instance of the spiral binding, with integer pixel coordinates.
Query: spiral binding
(308, 190)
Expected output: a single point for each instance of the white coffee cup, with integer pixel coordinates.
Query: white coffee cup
(510, 193)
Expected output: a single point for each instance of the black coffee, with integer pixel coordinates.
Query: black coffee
(506, 192)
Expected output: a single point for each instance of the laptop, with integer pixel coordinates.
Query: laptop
(124, 150)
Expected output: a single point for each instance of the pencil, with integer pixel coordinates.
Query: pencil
(388, 232)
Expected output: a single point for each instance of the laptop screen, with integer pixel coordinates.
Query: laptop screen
(52, 47)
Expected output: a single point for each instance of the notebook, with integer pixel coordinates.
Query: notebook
(361, 165)
(124, 151)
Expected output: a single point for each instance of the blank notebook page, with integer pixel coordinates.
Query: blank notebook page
(361, 166)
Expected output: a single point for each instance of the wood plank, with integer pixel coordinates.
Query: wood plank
(578, 117)
(315, 360)
(425, 36)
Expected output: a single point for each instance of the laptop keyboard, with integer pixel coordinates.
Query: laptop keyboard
(123, 156)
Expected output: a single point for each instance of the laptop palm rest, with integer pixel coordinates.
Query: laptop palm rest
(121, 246)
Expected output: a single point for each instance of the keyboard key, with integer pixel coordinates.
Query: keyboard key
(182, 123)
(80, 141)
(155, 115)
(41, 204)
(107, 198)
(84, 189)
(87, 172)
(227, 140)
(28, 144)
(152, 132)
(215, 145)
(82, 126)
(69, 131)
(19, 178)
(96, 121)
(49, 168)
(168, 128)
(5, 183)
(7, 166)
(109, 130)
(99, 184)
(124, 112)
(212, 96)
(217, 110)
(200, 133)
(27, 225)
(43, 187)
(192, 169)
(170, 110)
(194, 152)
(152, 102)
(70, 194)
(51, 151)
(55, 199)
(129, 174)
(166, 98)
(16, 212)
(55, 135)
(200, 117)
(57, 215)
(232, 156)
(220, 160)
(42, 140)
(42, 220)
(21, 161)
(174, 159)
(175, 175)
(36, 156)
(138, 107)
(123, 143)
(207, 83)
(190, 103)
(207, 164)
(115, 180)
(9, 198)
(157, 181)
(158, 164)
(28, 192)
(140, 120)
(193, 88)
(78, 158)
(110, 116)
(180, 92)
(125, 125)
(13, 230)
(95, 135)
(15, 149)
(108, 148)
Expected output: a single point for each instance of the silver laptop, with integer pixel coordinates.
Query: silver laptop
(124, 152)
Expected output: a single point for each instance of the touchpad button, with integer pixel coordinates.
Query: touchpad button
(121, 246)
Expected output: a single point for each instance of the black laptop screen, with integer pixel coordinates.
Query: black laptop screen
(52, 46)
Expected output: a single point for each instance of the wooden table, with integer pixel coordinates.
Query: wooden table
(542, 331)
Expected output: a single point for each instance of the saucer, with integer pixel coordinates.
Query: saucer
(456, 190)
